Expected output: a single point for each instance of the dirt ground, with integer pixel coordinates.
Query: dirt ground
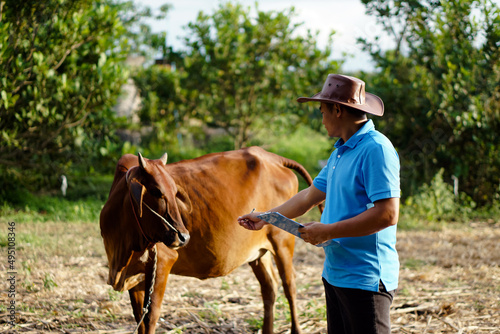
(450, 283)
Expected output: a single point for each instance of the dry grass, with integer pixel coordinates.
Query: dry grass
(450, 283)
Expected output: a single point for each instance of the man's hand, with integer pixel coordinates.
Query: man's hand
(296, 206)
(314, 233)
(251, 222)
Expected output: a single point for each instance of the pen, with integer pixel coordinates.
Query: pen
(252, 210)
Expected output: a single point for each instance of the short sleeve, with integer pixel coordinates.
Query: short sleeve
(320, 181)
(381, 173)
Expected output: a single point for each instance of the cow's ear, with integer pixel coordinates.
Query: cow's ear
(137, 190)
(183, 200)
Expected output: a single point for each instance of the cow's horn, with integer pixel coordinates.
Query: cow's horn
(164, 158)
(142, 162)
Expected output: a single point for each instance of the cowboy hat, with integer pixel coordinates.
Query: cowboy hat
(348, 91)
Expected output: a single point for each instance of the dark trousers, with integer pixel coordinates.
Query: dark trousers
(354, 311)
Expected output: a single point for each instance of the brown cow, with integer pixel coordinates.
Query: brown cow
(189, 210)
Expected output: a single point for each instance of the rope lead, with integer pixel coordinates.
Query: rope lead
(145, 310)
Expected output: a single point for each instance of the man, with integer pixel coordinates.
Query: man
(360, 187)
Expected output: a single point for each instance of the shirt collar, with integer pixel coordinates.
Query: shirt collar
(355, 138)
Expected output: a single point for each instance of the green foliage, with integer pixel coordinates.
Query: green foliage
(304, 145)
(160, 92)
(47, 208)
(211, 312)
(60, 73)
(435, 202)
(83, 202)
(141, 40)
(255, 323)
(440, 87)
(242, 72)
(413, 264)
(62, 64)
(62, 69)
(159, 86)
(314, 310)
(114, 295)
(225, 285)
(86, 186)
(48, 282)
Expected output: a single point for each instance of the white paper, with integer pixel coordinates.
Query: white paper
(286, 224)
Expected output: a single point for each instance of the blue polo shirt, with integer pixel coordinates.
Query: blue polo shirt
(359, 172)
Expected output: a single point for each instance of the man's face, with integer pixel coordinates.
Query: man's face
(330, 120)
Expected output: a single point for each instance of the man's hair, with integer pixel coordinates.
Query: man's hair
(355, 112)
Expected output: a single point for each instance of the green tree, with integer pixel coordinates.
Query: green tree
(242, 72)
(160, 89)
(440, 85)
(62, 64)
(61, 71)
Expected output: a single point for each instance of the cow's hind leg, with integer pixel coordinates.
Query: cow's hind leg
(284, 261)
(263, 270)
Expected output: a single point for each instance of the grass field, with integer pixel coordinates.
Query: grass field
(450, 283)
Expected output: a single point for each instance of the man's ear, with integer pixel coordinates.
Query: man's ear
(338, 109)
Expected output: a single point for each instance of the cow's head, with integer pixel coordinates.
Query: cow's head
(157, 202)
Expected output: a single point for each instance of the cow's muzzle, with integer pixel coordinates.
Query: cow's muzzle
(181, 239)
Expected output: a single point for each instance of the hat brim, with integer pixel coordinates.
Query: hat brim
(373, 104)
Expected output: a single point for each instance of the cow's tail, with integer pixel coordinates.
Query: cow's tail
(292, 164)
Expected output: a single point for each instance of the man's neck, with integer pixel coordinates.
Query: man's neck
(352, 127)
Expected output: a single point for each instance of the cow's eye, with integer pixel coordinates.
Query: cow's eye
(155, 192)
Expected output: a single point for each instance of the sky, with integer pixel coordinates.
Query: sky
(346, 17)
